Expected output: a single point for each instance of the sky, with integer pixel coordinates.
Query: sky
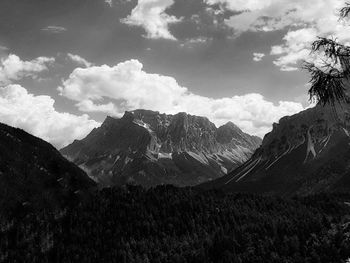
(65, 65)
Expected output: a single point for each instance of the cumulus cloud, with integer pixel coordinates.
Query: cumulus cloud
(258, 56)
(90, 106)
(37, 115)
(79, 60)
(296, 48)
(150, 14)
(195, 42)
(109, 2)
(54, 29)
(129, 87)
(13, 68)
(305, 20)
(277, 14)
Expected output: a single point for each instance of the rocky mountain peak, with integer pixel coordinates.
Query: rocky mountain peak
(230, 132)
(227, 132)
(230, 125)
(181, 149)
(128, 116)
(109, 121)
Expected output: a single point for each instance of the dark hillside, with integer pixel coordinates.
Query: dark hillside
(34, 174)
(168, 224)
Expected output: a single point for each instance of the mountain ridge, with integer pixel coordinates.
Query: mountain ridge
(305, 153)
(164, 147)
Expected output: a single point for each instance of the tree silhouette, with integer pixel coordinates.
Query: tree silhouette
(330, 76)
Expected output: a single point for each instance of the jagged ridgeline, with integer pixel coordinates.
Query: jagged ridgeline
(308, 152)
(34, 174)
(149, 148)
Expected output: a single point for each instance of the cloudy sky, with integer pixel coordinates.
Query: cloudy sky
(65, 65)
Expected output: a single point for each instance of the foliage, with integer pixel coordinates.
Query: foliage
(329, 80)
(168, 224)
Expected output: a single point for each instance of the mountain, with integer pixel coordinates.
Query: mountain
(34, 173)
(305, 153)
(149, 148)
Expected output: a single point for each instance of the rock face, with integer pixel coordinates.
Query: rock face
(305, 153)
(149, 148)
(34, 173)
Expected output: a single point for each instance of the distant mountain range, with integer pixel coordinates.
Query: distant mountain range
(148, 148)
(34, 173)
(305, 153)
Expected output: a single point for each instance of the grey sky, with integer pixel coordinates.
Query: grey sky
(207, 46)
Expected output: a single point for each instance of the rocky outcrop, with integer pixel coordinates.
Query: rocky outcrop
(149, 148)
(305, 153)
(34, 174)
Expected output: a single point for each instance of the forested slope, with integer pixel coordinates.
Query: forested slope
(167, 224)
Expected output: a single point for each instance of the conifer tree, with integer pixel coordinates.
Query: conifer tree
(330, 78)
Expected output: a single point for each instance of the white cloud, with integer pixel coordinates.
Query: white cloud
(54, 29)
(195, 42)
(150, 14)
(79, 60)
(129, 88)
(258, 56)
(296, 48)
(37, 115)
(277, 14)
(109, 2)
(90, 106)
(305, 20)
(13, 68)
(241, 5)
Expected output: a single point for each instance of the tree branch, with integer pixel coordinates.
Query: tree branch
(345, 11)
(326, 87)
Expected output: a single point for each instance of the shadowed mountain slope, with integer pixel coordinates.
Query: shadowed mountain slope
(305, 153)
(34, 173)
